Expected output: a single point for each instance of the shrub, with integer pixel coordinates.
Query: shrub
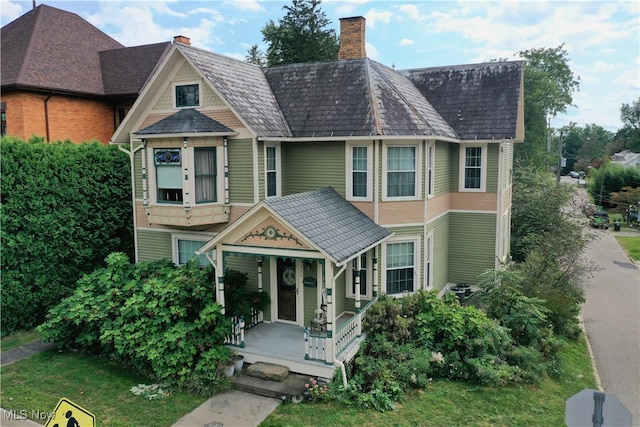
(239, 301)
(153, 316)
(64, 208)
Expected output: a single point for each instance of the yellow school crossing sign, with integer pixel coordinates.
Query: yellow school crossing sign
(68, 414)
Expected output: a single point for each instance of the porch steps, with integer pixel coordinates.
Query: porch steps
(291, 388)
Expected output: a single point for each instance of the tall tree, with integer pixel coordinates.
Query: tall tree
(628, 137)
(548, 87)
(255, 56)
(301, 36)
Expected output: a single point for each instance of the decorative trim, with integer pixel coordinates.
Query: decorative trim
(272, 233)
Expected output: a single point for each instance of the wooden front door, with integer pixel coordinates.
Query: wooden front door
(287, 293)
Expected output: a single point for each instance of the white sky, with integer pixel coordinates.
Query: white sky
(601, 37)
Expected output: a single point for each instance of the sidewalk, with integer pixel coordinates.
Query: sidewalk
(234, 408)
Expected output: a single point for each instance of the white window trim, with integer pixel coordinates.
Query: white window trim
(349, 172)
(278, 148)
(418, 177)
(483, 171)
(430, 167)
(349, 279)
(188, 185)
(183, 236)
(416, 267)
(186, 83)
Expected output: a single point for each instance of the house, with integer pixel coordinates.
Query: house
(327, 183)
(626, 158)
(62, 78)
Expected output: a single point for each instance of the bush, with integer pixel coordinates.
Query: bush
(65, 207)
(153, 316)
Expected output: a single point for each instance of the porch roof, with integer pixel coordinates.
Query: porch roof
(186, 121)
(326, 220)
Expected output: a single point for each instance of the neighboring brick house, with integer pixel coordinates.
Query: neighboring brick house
(62, 78)
(327, 183)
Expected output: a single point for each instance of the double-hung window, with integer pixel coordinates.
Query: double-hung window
(187, 95)
(205, 172)
(473, 171)
(401, 171)
(271, 170)
(400, 267)
(359, 172)
(168, 164)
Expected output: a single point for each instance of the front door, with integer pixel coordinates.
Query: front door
(287, 289)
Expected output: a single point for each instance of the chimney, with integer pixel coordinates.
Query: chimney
(352, 38)
(182, 39)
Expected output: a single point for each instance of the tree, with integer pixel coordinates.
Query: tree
(255, 56)
(628, 137)
(548, 87)
(301, 36)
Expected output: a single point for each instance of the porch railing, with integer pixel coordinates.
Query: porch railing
(314, 346)
(239, 325)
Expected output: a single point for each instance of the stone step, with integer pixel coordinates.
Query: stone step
(291, 387)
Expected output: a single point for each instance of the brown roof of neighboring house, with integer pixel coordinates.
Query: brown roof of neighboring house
(52, 49)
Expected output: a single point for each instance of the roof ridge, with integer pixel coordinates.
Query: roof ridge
(374, 104)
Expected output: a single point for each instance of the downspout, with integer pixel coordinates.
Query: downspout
(46, 115)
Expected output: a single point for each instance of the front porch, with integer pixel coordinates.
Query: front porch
(296, 347)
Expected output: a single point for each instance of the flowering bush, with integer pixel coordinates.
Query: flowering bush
(318, 390)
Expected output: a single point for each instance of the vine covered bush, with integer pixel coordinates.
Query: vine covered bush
(64, 208)
(414, 339)
(158, 318)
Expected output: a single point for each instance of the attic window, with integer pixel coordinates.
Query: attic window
(188, 95)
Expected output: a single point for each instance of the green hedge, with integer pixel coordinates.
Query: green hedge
(65, 207)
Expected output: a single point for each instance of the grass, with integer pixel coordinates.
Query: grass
(631, 245)
(36, 384)
(446, 403)
(19, 339)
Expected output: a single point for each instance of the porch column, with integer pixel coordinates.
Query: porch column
(331, 312)
(358, 261)
(374, 260)
(220, 278)
(185, 171)
(259, 261)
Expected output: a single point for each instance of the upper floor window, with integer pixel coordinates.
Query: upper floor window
(474, 168)
(400, 267)
(168, 162)
(271, 170)
(194, 177)
(359, 164)
(188, 95)
(205, 174)
(401, 171)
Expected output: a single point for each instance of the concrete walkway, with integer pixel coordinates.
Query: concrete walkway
(234, 408)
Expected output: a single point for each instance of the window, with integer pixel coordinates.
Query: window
(205, 174)
(473, 168)
(365, 275)
(168, 162)
(359, 165)
(3, 112)
(401, 171)
(430, 169)
(186, 249)
(271, 170)
(400, 267)
(188, 95)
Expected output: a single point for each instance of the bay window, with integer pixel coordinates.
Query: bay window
(401, 171)
(400, 267)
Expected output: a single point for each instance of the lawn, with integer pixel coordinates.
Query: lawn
(631, 245)
(19, 339)
(102, 387)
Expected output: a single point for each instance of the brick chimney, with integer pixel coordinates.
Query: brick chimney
(352, 38)
(182, 39)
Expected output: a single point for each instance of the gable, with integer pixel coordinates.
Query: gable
(272, 233)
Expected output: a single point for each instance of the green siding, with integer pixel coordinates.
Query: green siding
(339, 293)
(240, 170)
(137, 170)
(307, 166)
(261, 190)
(154, 245)
(442, 167)
(440, 259)
(247, 264)
(472, 242)
(454, 167)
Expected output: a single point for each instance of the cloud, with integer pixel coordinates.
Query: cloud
(252, 5)
(374, 15)
(406, 42)
(10, 11)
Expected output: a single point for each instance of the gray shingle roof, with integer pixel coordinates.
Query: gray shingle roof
(244, 87)
(480, 101)
(188, 120)
(325, 218)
